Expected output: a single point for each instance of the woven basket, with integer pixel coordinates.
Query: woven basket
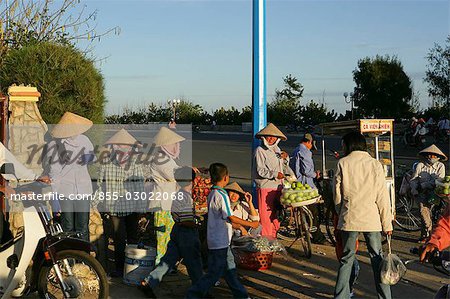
(253, 260)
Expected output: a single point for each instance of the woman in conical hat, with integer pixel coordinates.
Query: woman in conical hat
(121, 176)
(423, 183)
(269, 169)
(162, 174)
(71, 125)
(65, 162)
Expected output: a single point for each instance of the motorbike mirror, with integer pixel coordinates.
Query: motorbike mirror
(8, 168)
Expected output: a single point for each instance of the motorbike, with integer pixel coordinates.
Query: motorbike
(415, 141)
(45, 259)
(441, 263)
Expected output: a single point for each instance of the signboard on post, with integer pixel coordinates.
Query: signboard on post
(376, 125)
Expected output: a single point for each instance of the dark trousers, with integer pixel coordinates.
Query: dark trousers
(124, 232)
(220, 263)
(75, 217)
(184, 244)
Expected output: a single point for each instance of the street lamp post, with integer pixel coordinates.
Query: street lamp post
(350, 101)
(173, 104)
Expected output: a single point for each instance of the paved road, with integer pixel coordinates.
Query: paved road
(235, 151)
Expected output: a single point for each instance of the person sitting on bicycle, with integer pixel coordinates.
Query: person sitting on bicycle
(423, 184)
(242, 207)
(443, 126)
(420, 130)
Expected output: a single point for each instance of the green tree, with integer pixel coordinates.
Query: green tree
(224, 116)
(314, 114)
(283, 110)
(187, 113)
(382, 89)
(247, 114)
(438, 74)
(67, 80)
(29, 21)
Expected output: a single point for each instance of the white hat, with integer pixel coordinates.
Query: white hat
(71, 125)
(271, 130)
(166, 136)
(433, 149)
(122, 137)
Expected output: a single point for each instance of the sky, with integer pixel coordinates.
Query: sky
(201, 50)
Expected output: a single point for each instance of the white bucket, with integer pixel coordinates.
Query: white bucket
(138, 264)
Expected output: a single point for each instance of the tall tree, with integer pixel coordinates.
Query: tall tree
(65, 22)
(284, 108)
(438, 74)
(382, 89)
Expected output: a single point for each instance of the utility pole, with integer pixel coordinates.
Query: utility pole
(259, 92)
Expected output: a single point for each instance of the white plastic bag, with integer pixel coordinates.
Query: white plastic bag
(392, 267)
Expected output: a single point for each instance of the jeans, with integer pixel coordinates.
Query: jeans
(373, 240)
(220, 263)
(354, 275)
(184, 243)
(75, 221)
(124, 232)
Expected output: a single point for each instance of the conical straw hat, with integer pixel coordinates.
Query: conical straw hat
(433, 149)
(71, 125)
(235, 188)
(122, 137)
(271, 130)
(166, 136)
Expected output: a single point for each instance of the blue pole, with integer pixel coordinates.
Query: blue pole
(259, 94)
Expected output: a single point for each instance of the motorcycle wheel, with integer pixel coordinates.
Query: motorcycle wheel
(88, 279)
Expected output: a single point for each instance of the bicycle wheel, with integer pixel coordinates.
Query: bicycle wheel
(305, 238)
(287, 229)
(407, 214)
(82, 272)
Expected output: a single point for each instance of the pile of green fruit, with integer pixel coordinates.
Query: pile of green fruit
(297, 192)
(443, 186)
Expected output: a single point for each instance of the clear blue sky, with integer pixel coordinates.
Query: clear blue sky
(201, 50)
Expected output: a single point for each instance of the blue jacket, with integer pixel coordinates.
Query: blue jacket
(303, 165)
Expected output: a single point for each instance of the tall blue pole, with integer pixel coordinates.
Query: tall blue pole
(259, 94)
(259, 68)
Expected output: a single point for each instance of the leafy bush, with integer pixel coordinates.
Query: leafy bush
(67, 80)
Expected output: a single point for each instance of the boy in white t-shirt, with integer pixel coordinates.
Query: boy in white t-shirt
(219, 233)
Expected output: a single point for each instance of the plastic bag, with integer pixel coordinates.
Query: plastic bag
(258, 244)
(392, 268)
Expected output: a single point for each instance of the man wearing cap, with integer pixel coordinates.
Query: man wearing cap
(121, 179)
(270, 165)
(65, 161)
(302, 164)
(162, 175)
(423, 184)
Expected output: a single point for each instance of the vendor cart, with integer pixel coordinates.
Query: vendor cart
(379, 135)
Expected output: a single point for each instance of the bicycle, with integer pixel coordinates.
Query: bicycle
(408, 210)
(296, 224)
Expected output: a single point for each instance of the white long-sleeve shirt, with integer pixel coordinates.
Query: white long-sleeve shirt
(426, 174)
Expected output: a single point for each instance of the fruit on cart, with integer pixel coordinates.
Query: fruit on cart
(443, 186)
